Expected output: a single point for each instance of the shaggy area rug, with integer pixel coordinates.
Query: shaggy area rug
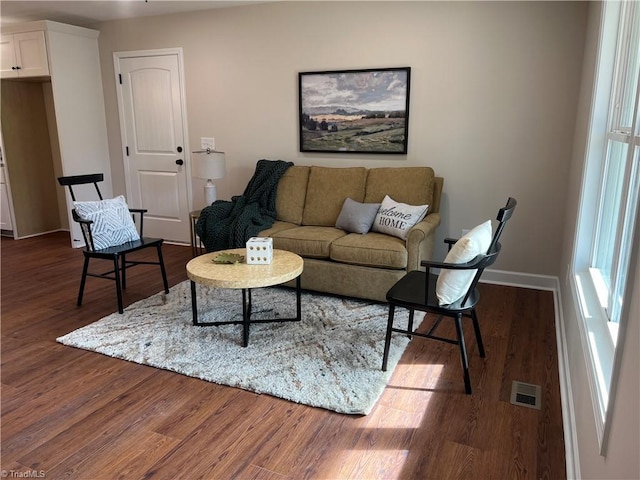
(330, 359)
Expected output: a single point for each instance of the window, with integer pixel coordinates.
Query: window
(609, 200)
(619, 189)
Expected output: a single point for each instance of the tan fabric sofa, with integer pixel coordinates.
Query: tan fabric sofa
(309, 200)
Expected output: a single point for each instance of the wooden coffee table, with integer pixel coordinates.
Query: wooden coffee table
(203, 270)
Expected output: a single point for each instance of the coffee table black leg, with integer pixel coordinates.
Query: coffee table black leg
(194, 304)
(245, 317)
(246, 311)
(298, 300)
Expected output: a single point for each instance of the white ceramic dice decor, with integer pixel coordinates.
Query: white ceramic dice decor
(259, 251)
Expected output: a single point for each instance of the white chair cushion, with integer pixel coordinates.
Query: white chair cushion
(112, 222)
(453, 284)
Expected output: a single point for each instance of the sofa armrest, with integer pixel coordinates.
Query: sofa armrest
(420, 242)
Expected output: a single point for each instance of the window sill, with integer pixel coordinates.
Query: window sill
(598, 345)
(603, 297)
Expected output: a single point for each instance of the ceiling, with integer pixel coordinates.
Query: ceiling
(89, 12)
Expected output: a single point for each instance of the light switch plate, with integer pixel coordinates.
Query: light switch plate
(207, 142)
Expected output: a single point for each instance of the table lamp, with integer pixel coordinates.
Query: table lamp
(209, 165)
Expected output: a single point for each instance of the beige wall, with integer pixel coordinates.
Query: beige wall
(493, 97)
(55, 153)
(622, 460)
(28, 155)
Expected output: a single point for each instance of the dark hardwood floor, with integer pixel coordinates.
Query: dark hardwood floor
(68, 413)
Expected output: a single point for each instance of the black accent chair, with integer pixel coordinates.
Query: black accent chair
(417, 291)
(116, 254)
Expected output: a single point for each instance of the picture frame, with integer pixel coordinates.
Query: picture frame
(354, 111)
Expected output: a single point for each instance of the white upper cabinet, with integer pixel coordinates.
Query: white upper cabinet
(24, 55)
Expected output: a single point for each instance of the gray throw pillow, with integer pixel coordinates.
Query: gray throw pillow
(356, 217)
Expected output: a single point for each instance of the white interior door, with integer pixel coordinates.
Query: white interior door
(154, 135)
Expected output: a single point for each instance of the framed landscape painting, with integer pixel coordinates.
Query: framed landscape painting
(354, 111)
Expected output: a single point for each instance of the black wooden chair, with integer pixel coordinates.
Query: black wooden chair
(117, 254)
(417, 291)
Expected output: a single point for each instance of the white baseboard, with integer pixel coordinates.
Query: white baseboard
(181, 244)
(572, 458)
(550, 283)
(38, 234)
(519, 279)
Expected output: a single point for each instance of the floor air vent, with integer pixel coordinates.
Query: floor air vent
(525, 395)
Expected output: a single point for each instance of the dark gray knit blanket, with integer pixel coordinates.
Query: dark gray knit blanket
(229, 224)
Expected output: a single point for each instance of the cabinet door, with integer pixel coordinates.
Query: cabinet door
(7, 57)
(31, 54)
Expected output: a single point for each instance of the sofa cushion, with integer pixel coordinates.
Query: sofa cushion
(277, 226)
(371, 250)
(307, 241)
(356, 217)
(412, 185)
(395, 218)
(327, 190)
(291, 194)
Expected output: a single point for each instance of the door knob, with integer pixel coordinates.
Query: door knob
(179, 162)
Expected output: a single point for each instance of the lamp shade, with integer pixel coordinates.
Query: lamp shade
(209, 165)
